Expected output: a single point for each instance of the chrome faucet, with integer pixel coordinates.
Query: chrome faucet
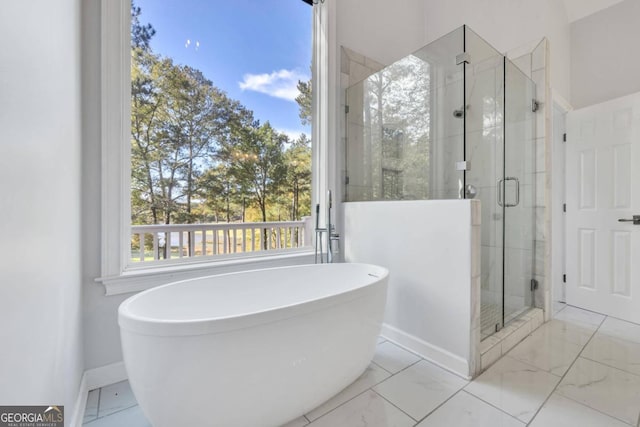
(330, 230)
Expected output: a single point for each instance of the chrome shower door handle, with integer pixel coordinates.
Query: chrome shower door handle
(500, 186)
(517, 181)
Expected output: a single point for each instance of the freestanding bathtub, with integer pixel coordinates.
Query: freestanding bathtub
(251, 349)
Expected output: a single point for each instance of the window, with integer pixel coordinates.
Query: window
(215, 173)
(117, 240)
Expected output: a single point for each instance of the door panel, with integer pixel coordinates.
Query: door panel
(519, 190)
(603, 265)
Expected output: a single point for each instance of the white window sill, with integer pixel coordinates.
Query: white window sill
(141, 278)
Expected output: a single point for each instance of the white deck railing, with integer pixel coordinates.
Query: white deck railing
(187, 241)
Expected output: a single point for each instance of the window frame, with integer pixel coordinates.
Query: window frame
(117, 275)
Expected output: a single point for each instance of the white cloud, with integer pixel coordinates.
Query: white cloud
(293, 134)
(279, 84)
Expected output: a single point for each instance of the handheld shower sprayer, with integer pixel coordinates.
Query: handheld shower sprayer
(329, 227)
(318, 234)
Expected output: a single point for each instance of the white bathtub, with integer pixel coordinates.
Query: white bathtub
(250, 349)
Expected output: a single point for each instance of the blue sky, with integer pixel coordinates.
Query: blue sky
(255, 50)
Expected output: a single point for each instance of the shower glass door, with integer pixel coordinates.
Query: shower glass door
(484, 154)
(519, 188)
(500, 172)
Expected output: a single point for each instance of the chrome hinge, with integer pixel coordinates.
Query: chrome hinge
(564, 207)
(564, 278)
(535, 105)
(564, 137)
(463, 58)
(534, 285)
(463, 165)
(346, 109)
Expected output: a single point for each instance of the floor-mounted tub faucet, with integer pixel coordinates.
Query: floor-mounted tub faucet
(333, 238)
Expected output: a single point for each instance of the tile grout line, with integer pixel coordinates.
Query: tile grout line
(524, 363)
(609, 366)
(99, 401)
(389, 372)
(592, 408)
(462, 389)
(394, 405)
(568, 370)
(596, 410)
(439, 406)
(493, 406)
(418, 421)
(370, 388)
(623, 320)
(598, 363)
(420, 359)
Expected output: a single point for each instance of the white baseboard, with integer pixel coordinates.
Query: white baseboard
(432, 353)
(105, 375)
(91, 380)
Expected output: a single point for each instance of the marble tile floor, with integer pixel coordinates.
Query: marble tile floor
(579, 369)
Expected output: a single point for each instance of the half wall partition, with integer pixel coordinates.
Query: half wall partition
(454, 120)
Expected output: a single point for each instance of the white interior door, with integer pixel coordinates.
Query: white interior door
(603, 186)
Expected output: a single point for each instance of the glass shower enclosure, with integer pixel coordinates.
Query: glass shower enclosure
(456, 119)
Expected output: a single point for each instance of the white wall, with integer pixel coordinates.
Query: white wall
(379, 29)
(101, 332)
(578, 9)
(431, 249)
(506, 25)
(604, 55)
(41, 359)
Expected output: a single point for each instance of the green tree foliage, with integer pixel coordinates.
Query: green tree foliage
(140, 34)
(396, 118)
(199, 156)
(298, 177)
(304, 101)
(298, 158)
(255, 155)
(223, 197)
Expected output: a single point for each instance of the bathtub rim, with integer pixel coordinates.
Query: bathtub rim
(142, 325)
